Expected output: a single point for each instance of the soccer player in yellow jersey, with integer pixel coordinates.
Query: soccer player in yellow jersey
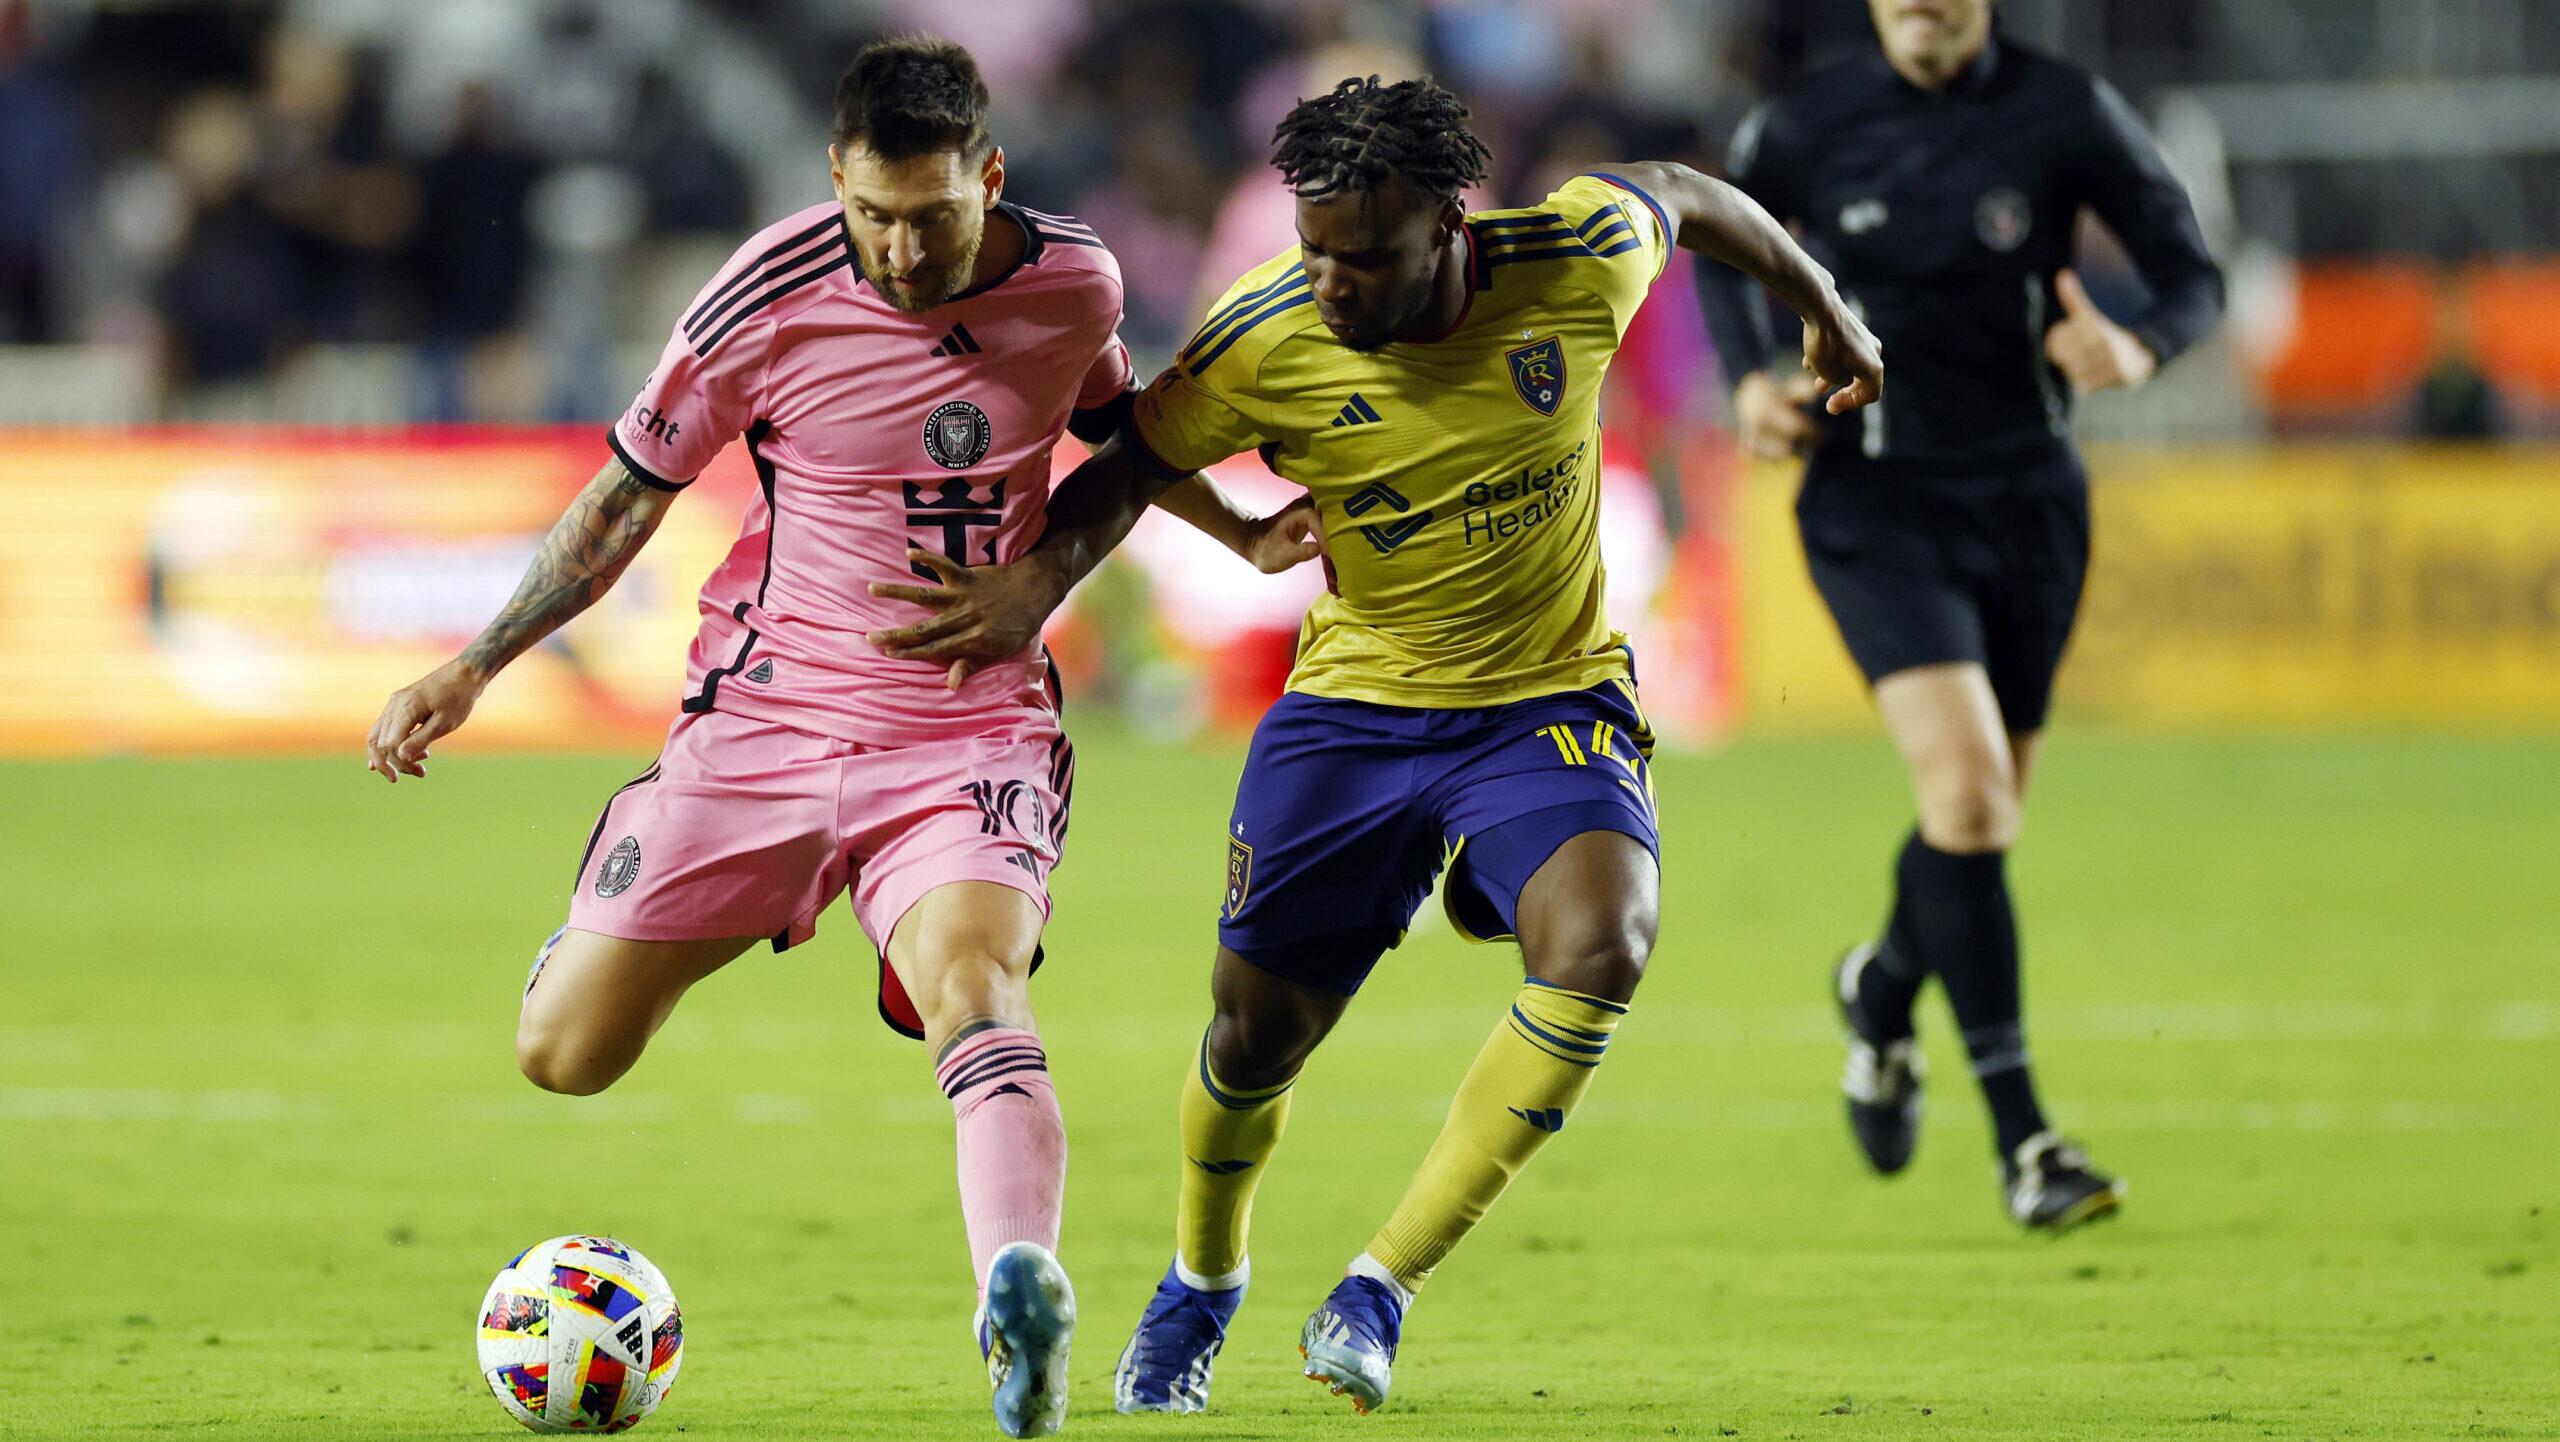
(1433, 379)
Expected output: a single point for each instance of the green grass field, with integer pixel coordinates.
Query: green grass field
(262, 1143)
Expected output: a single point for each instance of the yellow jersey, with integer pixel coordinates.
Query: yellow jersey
(1458, 478)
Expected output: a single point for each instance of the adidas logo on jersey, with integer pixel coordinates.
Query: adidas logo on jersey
(1357, 412)
(959, 342)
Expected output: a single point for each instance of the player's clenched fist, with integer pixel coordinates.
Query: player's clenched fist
(1846, 356)
(418, 715)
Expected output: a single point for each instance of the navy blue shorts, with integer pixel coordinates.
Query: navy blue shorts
(1347, 811)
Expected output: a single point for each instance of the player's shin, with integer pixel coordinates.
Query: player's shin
(1012, 1142)
(1522, 1089)
(1227, 1135)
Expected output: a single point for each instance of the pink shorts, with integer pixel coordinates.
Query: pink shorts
(748, 828)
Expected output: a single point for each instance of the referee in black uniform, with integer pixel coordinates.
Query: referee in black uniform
(1939, 178)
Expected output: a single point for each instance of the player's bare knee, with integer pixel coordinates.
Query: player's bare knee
(555, 1063)
(1260, 1047)
(955, 985)
(1969, 808)
(1607, 963)
(1972, 819)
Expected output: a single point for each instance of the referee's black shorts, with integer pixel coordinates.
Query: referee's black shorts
(1922, 567)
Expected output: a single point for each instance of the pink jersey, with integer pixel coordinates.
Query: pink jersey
(873, 430)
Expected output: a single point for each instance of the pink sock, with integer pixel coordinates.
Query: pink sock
(1013, 1145)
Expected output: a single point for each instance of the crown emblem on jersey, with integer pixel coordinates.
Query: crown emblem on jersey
(1537, 373)
(1385, 535)
(959, 342)
(1357, 412)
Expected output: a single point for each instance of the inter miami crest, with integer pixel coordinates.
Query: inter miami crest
(956, 435)
(1537, 373)
(621, 868)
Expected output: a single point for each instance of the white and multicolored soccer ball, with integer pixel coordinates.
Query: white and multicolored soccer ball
(580, 1334)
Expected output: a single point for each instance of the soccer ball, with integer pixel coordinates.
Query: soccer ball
(580, 1334)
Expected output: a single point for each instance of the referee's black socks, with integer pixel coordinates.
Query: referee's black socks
(1951, 916)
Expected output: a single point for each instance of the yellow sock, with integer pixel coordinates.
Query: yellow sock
(1227, 1134)
(1519, 1092)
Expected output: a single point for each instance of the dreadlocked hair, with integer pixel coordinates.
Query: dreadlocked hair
(1355, 137)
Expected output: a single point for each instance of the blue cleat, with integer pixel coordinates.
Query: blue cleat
(1028, 1325)
(1350, 1342)
(1165, 1367)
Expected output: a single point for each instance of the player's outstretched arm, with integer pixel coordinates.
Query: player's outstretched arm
(1719, 222)
(1273, 543)
(586, 552)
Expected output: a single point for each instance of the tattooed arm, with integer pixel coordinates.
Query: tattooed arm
(586, 552)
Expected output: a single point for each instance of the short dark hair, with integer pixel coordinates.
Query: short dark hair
(910, 96)
(1355, 137)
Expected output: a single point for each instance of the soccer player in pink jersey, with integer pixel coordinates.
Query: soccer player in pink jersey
(900, 364)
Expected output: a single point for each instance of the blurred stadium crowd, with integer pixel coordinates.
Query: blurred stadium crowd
(379, 211)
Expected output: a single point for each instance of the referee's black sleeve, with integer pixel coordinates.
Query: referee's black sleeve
(2129, 187)
(1737, 313)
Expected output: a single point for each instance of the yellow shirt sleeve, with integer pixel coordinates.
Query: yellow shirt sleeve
(1626, 236)
(1186, 423)
(1201, 410)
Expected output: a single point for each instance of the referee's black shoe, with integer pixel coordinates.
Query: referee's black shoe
(2052, 1188)
(1882, 1080)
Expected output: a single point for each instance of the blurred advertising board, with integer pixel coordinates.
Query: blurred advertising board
(2298, 587)
(217, 589)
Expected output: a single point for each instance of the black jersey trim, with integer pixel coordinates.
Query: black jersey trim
(709, 697)
(647, 477)
(768, 480)
(768, 298)
(709, 314)
(743, 277)
(643, 779)
(1095, 424)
